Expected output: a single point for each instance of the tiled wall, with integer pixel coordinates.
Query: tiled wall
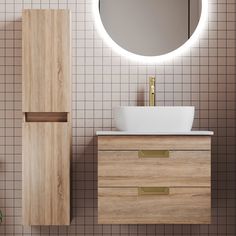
(204, 76)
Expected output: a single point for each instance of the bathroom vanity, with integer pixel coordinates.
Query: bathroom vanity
(154, 178)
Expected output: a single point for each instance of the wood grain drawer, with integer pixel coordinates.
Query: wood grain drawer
(154, 142)
(46, 173)
(181, 168)
(180, 206)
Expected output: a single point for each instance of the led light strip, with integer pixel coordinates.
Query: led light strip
(149, 59)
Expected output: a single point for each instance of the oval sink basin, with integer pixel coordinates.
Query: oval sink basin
(167, 119)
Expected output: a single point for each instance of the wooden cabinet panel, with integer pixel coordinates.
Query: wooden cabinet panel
(180, 206)
(176, 168)
(154, 142)
(46, 173)
(181, 168)
(46, 61)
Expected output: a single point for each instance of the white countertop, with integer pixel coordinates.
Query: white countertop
(191, 133)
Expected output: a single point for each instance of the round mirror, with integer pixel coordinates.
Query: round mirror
(149, 28)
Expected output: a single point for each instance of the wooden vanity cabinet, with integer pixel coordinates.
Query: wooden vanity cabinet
(46, 128)
(154, 179)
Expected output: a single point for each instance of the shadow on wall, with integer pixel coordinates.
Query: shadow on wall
(141, 97)
(10, 115)
(222, 121)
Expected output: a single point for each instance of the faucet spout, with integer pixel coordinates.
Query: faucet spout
(152, 81)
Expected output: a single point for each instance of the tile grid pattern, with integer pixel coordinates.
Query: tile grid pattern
(204, 76)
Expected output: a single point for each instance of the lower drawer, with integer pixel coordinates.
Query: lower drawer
(154, 205)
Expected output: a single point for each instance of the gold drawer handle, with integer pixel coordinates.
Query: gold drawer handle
(153, 191)
(153, 154)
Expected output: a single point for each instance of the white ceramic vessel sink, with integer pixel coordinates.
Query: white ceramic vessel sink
(167, 119)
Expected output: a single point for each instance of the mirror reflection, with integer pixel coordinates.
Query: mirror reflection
(150, 27)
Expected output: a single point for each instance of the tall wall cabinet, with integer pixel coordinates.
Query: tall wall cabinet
(46, 125)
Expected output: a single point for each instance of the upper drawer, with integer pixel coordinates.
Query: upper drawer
(154, 142)
(46, 61)
(178, 169)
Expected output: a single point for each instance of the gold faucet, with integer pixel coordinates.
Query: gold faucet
(152, 81)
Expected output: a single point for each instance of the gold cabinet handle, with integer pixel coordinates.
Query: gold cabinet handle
(153, 191)
(154, 154)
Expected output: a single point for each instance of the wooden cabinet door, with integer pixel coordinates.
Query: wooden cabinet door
(46, 173)
(46, 61)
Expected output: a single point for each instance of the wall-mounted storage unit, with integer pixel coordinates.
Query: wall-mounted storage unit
(46, 61)
(157, 179)
(46, 88)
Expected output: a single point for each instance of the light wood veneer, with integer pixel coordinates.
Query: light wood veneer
(154, 142)
(181, 206)
(182, 168)
(46, 61)
(46, 91)
(46, 173)
(184, 177)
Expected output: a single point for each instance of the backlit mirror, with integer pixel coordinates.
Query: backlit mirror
(150, 27)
